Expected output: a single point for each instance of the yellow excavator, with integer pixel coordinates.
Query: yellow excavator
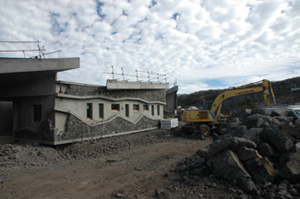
(202, 121)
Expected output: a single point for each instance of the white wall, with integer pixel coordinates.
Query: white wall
(78, 107)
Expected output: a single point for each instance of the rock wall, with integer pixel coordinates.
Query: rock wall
(81, 90)
(148, 95)
(75, 128)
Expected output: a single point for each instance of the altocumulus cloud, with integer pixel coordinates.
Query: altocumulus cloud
(204, 44)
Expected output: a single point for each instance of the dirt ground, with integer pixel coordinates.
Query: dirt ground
(134, 166)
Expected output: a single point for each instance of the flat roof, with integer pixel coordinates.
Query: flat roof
(22, 65)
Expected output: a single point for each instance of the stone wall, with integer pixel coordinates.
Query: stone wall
(76, 129)
(149, 94)
(82, 90)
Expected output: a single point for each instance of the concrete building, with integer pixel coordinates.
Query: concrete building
(35, 106)
(171, 102)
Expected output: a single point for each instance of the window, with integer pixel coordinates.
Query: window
(152, 110)
(146, 107)
(127, 110)
(158, 110)
(37, 113)
(101, 111)
(136, 107)
(115, 107)
(89, 111)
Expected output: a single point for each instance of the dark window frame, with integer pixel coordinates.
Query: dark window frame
(127, 110)
(152, 110)
(101, 110)
(136, 107)
(115, 107)
(146, 107)
(89, 111)
(37, 113)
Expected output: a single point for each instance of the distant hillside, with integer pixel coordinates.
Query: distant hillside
(282, 91)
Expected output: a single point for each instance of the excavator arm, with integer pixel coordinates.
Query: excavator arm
(266, 88)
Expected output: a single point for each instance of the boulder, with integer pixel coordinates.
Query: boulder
(284, 119)
(223, 143)
(266, 150)
(279, 141)
(245, 153)
(228, 166)
(234, 123)
(280, 112)
(203, 153)
(291, 170)
(257, 120)
(294, 156)
(297, 122)
(262, 111)
(253, 134)
(261, 170)
(217, 146)
(251, 121)
(239, 142)
(262, 123)
(245, 114)
(240, 131)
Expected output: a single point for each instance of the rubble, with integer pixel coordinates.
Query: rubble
(257, 152)
(26, 154)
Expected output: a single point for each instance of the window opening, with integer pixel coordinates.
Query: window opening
(127, 110)
(152, 110)
(146, 107)
(101, 111)
(136, 107)
(115, 107)
(158, 110)
(89, 111)
(37, 113)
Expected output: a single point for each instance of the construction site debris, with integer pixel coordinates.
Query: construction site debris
(257, 152)
(30, 154)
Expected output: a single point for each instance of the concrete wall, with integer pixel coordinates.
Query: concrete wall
(78, 107)
(71, 121)
(6, 121)
(171, 102)
(26, 85)
(25, 126)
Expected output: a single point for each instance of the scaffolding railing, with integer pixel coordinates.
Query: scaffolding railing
(139, 75)
(40, 50)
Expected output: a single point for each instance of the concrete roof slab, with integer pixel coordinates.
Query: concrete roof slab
(21, 65)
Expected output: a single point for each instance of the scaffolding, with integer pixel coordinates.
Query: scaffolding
(40, 50)
(140, 76)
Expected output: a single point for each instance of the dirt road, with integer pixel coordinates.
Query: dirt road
(132, 172)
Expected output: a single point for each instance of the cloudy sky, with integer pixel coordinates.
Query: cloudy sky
(200, 44)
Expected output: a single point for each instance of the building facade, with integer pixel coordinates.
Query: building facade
(37, 107)
(87, 111)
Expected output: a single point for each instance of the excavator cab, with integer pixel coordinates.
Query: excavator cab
(207, 105)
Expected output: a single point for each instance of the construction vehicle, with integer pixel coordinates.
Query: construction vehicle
(203, 121)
